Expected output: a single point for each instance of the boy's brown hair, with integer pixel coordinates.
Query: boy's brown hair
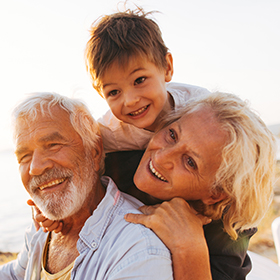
(120, 36)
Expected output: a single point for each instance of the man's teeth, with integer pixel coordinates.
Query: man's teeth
(158, 175)
(52, 183)
(138, 112)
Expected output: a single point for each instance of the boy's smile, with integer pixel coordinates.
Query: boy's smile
(136, 92)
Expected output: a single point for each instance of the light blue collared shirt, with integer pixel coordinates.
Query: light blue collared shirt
(109, 247)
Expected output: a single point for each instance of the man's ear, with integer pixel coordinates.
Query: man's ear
(214, 198)
(169, 67)
(97, 154)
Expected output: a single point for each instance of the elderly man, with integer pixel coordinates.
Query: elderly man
(60, 157)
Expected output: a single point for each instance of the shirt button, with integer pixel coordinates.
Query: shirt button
(93, 244)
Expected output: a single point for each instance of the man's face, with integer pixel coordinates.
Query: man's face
(53, 164)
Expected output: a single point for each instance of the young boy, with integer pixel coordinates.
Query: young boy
(130, 65)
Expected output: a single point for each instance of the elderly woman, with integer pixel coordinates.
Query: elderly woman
(216, 155)
(219, 156)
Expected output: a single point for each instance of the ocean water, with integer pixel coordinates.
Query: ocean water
(15, 214)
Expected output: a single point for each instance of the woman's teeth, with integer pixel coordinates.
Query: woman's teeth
(138, 112)
(158, 175)
(52, 183)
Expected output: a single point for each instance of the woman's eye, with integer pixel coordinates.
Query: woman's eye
(139, 80)
(172, 134)
(191, 163)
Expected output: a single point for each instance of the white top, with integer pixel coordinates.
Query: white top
(109, 247)
(120, 136)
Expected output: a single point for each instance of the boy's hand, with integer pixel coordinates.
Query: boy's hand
(41, 221)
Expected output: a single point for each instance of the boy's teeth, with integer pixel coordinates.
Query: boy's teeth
(158, 175)
(138, 112)
(52, 183)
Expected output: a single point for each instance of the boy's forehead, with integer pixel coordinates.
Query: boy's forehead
(127, 66)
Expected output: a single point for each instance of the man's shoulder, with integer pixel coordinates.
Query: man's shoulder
(124, 235)
(137, 234)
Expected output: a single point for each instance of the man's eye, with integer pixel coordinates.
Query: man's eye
(139, 80)
(24, 159)
(54, 146)
(191, 163)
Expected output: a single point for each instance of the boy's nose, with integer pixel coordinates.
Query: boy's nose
(39, 164)
(131, 99)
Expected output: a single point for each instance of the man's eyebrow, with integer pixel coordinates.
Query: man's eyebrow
(55, 136)
(20, 151)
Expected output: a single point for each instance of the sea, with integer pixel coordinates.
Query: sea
(15, 214)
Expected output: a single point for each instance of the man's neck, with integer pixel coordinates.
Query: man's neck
(63, 245)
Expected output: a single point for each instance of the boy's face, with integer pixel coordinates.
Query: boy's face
(137, 93)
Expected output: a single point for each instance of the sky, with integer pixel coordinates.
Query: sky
(225, 45)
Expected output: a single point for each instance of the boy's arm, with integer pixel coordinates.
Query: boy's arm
(120, 136)
(228, 258)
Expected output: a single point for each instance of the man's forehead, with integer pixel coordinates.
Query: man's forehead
(58, 121)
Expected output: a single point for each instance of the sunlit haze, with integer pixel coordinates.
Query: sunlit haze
(222, 45)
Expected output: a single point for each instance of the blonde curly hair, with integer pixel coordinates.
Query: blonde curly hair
(246, 173)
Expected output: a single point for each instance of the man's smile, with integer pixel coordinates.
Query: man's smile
(52, 183)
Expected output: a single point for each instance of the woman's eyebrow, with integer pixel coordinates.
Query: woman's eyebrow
(190, 150)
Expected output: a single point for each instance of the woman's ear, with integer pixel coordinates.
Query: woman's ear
(169, 67)
(214, 198)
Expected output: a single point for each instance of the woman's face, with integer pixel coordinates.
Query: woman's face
(181, 160)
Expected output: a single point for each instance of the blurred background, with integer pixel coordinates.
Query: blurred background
(224, 45)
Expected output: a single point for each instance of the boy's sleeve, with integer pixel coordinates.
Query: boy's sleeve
(228, 258)
(120, 136)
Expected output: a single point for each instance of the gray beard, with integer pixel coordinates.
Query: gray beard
(58, 206)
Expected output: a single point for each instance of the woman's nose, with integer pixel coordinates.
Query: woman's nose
(165, 158)
(39, 164)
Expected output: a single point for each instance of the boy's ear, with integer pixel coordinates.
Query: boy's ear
(214, 198)
(169, 67)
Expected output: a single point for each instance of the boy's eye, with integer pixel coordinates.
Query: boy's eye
(113, 93)
(139, 80)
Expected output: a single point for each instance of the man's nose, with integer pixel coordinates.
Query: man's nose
(165, 158)
(39, 163)
(131, 99)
